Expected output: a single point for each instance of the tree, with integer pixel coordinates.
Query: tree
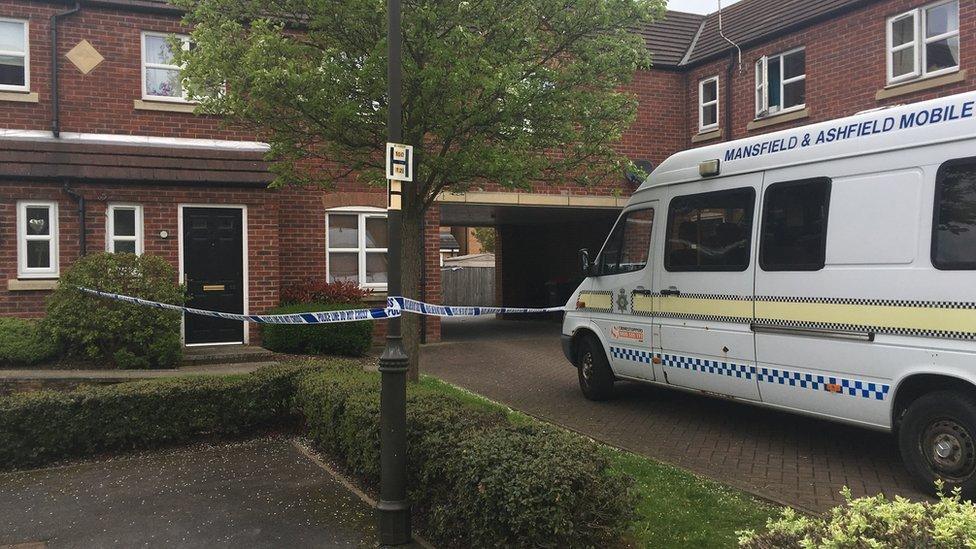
(508, 92)
(486, 237)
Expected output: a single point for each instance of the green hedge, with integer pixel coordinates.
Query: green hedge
(873, 522)
(477, 479)
(25, 342)
(40, 427)
(343, 339)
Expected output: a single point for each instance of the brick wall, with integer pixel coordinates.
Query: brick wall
(846, 67)
(160, 210)
(102, 100)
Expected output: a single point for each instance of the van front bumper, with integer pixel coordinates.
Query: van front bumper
(567, 342)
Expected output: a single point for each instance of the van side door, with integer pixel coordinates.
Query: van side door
(622, 271)
(705, 289)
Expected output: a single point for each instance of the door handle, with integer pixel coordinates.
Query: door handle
(671, 293)
(643, 292)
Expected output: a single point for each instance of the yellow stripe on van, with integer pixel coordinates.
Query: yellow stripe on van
(593, 300)
(644, 303)
(927, 319)
(737, 308)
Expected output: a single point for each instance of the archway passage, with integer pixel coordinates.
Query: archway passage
(536, 260)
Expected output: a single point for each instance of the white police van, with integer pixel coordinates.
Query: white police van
(828, 270)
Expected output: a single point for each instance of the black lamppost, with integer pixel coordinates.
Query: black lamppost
(393, 508)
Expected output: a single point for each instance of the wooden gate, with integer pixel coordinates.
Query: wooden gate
(468, 286)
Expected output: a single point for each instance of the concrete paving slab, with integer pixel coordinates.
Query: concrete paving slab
(256, 494)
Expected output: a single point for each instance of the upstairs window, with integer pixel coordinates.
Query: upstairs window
(954, 231)
(794, 226)
(629, 246)
(161, 80)
(356, 242)
(123, 229)
(14, 56)
(37, 239)
(710, 231)
(924, 42)
(781, 83)
(708, 104)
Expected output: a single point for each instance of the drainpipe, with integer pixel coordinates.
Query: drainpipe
(77, 197)
(55, 90)
(730, 74)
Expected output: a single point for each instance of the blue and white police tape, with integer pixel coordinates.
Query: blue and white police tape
(395, 306)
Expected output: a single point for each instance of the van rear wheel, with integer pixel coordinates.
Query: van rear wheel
(937, 439)
(595, 376)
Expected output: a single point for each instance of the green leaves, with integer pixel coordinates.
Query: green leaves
(120, 334)
(495, 91)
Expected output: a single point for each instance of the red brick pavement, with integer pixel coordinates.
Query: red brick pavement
(786, 458)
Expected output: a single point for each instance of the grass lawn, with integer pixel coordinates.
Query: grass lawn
(677, 508)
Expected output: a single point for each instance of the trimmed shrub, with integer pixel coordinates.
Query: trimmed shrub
(477, 480)
(25, 342)
(873, 522)
(317, 290)
(120, 334)
(41, 427)
(344, 339)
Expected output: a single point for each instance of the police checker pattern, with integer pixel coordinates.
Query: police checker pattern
(814, 382)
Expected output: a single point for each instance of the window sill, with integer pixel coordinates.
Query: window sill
(17, 285)
(164, 106)
(709, 135)
(780, 118)
(913, 86)
(19, 97)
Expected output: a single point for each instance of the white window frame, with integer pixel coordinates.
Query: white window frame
(362, 214)
(184, 95)
(111, 237)
(702, 104)
(25, 54)
(23, 271)
(763, 108)
(920, 43)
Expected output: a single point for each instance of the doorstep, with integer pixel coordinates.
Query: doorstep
(224, 354)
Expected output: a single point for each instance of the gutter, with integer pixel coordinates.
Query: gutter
(55, 87)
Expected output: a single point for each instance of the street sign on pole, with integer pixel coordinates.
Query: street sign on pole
(399, 170)
(399, 162)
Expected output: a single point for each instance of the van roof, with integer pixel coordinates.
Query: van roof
(939, 120)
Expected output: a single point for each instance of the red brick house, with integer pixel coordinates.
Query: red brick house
(99, 150)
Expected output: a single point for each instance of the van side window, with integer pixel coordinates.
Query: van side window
(954, 230)
(629, 246)
(794, 226)
(710, 231)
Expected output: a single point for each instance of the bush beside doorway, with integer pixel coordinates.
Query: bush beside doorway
(110, 332)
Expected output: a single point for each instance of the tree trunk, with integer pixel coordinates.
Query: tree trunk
(412, 261)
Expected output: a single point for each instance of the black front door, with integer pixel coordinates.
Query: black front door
(213, 261)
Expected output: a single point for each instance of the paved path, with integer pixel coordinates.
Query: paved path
(791, 459)
(263, 493)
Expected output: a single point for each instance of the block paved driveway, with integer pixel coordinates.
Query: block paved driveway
(790, 459)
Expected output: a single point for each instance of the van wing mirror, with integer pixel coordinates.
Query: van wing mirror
(585, 265)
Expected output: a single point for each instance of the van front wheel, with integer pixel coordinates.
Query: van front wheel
(595, 376)
(937, 439)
